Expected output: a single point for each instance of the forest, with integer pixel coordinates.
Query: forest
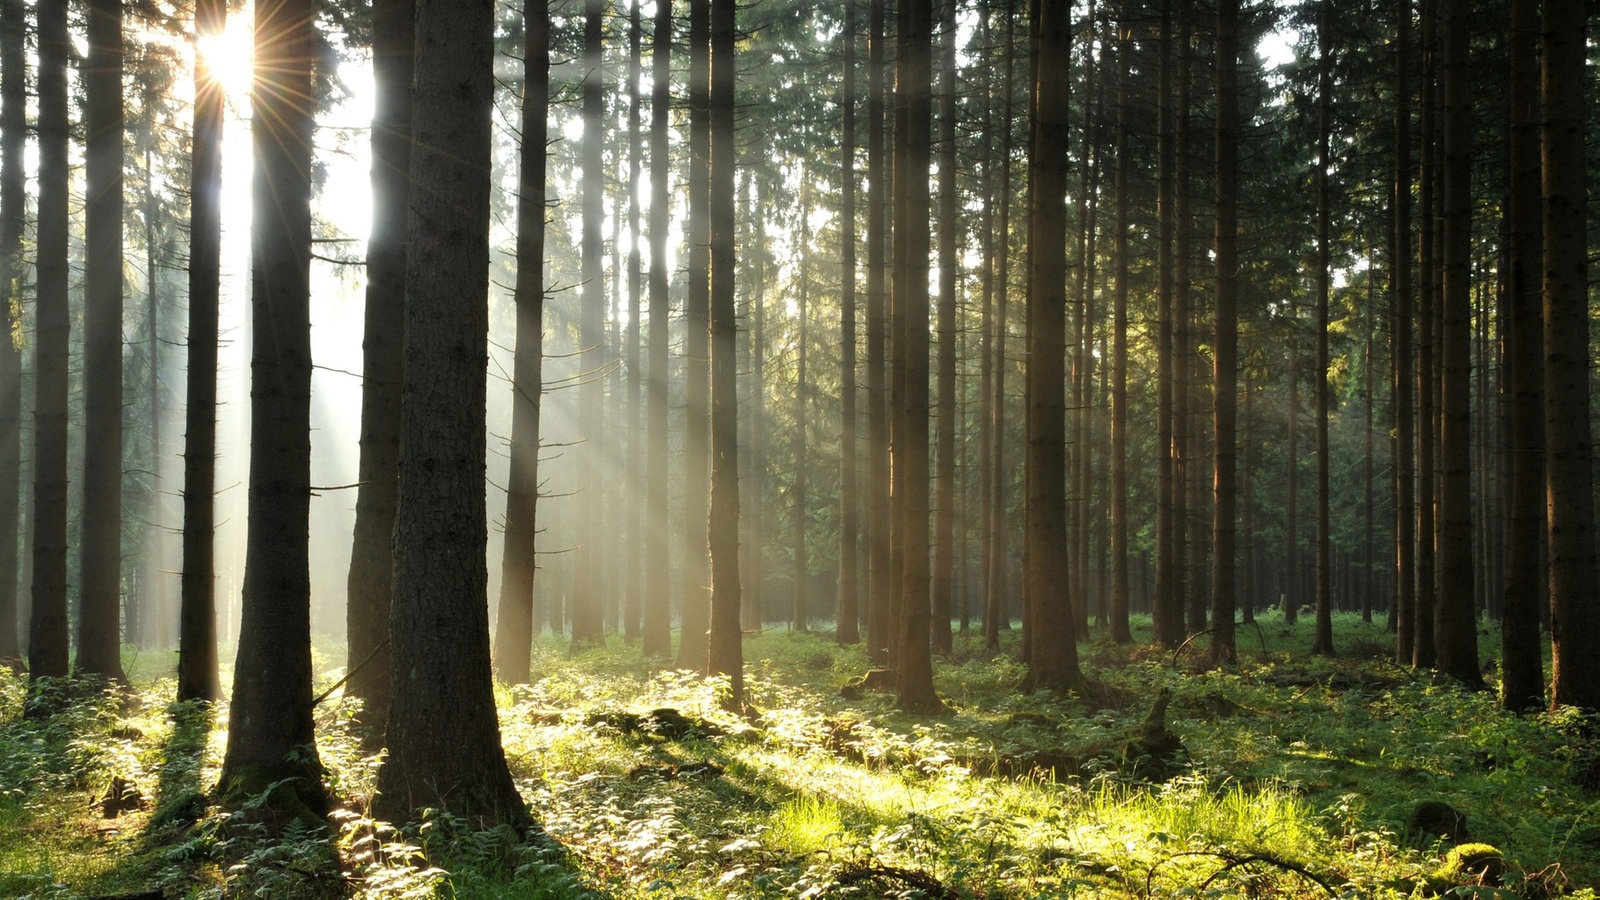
(959, 449)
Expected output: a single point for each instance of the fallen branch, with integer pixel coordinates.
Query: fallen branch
(1233, 861)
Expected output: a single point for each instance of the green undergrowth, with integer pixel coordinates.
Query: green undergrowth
(1296, 779)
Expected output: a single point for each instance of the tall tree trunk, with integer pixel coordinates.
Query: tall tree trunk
(100, 551)
(723, 533)
(846, 630)
(1226, 334)
(913, 108)
(996, 606)
(13, 217)
(880, 580)
(1167, 605)
(1456, 631)
(696, 350)
(47, 624)
(370, 585)
(633, 602)
(1574, 618)
(517, 621)
(800, 616)
(270, 733)
(1119, 330)
(588, 610)
(1189, 485)
(1323, 642)
(944, 503)
(1053, 663)
(656, 630)
(444, 735)
(1402, 388)
(1422, 646)
(197, 618)
(1522, 683)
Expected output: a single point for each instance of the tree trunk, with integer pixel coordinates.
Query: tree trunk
(588, 601)
(1404, 381)
(656, 630)
(100, 551)
(880, 580)
(514, 629)
(197, 628)
(1167, 605)
(945, 419)
(370, 585)
(47, 625)
(1522, 684)
(1574, 619)
(1053, 664)
(1422, 652)
(1456, 627)
(444, 737)
(913, 108)
(723, 534)
(270, 733)
(696, 349)
(1119, 331)
(800, 615)
(1323, 641)
(633, 602)
(1226, 334)
(846, 629)
(13, 218)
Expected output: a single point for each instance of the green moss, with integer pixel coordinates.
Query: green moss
(1470, 864)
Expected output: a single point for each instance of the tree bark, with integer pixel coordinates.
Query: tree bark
(444, 737)
(589, 593)
(880, 581)
(656, 629)
(518, 619)
(13, 218)
(1226, 333)
(945, 419)
(1456, 631)
(846, 627)
(1403, 384)
(197, 629)
(100, 549)
(1053, 664)
(1574, 616)
(1323, 641)
(270, 733)
(725, 657)
(696, 349)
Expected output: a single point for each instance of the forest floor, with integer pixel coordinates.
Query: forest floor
(1286, 775)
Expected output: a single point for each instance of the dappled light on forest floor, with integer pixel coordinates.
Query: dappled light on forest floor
(1296, 777)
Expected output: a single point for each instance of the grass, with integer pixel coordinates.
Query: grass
(1297, 778)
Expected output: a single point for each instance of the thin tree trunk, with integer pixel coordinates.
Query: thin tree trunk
(100, 550)
(1119, 333)
(1323, 641)
(1226, 335)
(725, 656)
(197, 628)
(13, 184)
(47, 625)
(656, 631)
(1403, 383)
(846, 630)
(519, 562)
(1456, 630)
(880, 580)
(949, 274)
(1167, 606)
(1422, 648)
(588, 609)
(633, 602)
(800, 617)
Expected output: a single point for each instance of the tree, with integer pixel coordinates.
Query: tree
(1522, 684)
(1053, 663)
(1323, 643)
(1167, 605)
(913, 113)
(370, 586)
(270, 734)
(1226, 334)
(696, 350)
(1119, 326)
(587, 605)
(1569, 510)
(100, 550)
(1402, 387)
(1456, 630)
(515, 626)
(944, 504)
(47, 626)
(725, 653)
(197, 626)
(655, 631)
(880, 581)
(846, 627)
(443, 734)
(13, 137)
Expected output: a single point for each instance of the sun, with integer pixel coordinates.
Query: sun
(229, 57)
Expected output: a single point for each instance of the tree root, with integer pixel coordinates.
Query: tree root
(882, 879)
(1231, 861)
